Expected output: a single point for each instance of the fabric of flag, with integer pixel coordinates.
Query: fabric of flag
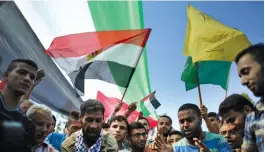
(209, 39)
(2, 84)
(149, 104)
(120, 53)
(110, 103)
(38, 23)
(209, 72)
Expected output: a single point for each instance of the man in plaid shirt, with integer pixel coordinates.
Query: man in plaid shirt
(250, 65)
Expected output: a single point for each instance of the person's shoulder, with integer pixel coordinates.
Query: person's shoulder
(69, 142)
(215, 138)
(109, 141)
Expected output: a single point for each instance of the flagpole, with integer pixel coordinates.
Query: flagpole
(147, 36)
(227, 83)
(199, 88)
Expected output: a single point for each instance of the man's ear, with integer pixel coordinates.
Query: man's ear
(247, 109)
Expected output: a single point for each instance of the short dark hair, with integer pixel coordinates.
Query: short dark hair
(234, 102)
(175, 132)
(135, 125)
(105, 125)
(256, 51)
(165, 116)
(91, 105)
(213, 114)
(192, 106)
(143, 118)
(54, 118)
(14, 63)
(119, 118)
(74, 115)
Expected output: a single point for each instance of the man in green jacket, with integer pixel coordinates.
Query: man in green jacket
(90, 138)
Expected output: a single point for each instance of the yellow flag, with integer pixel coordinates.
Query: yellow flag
(209, 39)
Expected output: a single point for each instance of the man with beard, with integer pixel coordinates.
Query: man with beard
(250, 67)
(90, 137)
(190, 122)
(137, 137)
(41, 116)
(119, 129)
(165, 125)
(233, 136)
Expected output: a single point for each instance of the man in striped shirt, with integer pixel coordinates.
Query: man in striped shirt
(250, 67)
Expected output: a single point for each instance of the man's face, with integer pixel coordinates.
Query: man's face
(118, 130)
(214, 121)
(173, 139)
(138, 138)
(190, 124)
(235, 118)
(21, 78)
(233, 137)
(92, 124)
(24, 106)
(164, 124)
(43, 123)
(251, 74)
(74, 126)
(145, 123)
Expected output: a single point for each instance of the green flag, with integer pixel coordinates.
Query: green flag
(209, 72)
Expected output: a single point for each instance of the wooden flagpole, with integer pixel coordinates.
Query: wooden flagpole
(227, 83)
(199, 88)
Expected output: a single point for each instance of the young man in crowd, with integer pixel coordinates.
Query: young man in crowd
(119, 130)
(41, 116)
(233, 136)
(250, 67)
(173, 137)
(165, 125)
(195, 139)
(211, 119)
(90, 137)
(234, 109)
(72, 125)
(137, 137)
(19, 77)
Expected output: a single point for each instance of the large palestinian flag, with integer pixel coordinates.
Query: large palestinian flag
(28, 28)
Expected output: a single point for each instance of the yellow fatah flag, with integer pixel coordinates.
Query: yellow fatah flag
(209, 39)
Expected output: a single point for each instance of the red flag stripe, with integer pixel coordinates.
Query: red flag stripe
(76, 45)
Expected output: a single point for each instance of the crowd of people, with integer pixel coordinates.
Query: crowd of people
(237, 126)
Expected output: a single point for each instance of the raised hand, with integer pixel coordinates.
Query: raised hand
(200, 145)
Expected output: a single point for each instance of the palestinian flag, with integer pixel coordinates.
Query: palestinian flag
(110, 103)
(149, 104)
(116, 54)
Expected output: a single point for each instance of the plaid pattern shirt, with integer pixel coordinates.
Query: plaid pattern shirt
(254, 129)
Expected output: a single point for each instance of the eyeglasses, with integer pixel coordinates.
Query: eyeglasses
(138, 135)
